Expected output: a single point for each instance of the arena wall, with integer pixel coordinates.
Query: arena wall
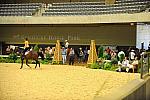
(104, 34)
(110, 18)
(137, 89)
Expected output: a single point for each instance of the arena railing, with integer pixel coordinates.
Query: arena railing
(116, 4)
(78, 3)
(93, 9)
(145, 64)
(90, 12)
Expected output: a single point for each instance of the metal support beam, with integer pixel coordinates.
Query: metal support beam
(142, 66)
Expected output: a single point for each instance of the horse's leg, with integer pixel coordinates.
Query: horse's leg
(36, 63)
(27, 63)
(39, 63)
(21, 63)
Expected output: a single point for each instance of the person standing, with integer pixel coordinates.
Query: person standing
(132, 55)
(64, 53)
(108, 50)
(41, 53)
(85, 52)
(72, 56)
(80, 53)
(66, 44)
(121, 56)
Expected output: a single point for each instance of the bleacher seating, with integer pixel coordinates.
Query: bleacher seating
(27, 9)
(96, 8)
(75, 8)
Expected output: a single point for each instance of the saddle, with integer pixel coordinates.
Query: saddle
(26, 52)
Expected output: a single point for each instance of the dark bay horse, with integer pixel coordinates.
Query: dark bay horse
(32, 55)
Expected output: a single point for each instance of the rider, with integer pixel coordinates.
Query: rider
(26, 46)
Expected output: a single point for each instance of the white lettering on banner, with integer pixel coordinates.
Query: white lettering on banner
(73, 37)
(47, 36)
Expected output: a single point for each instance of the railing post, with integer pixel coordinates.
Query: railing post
(141, 66)
(148, 55)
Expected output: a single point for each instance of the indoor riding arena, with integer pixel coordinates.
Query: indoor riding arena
(58, 82)
(83, 49)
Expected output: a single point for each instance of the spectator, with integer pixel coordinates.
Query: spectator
(72, 56)
(53, 50)
(66, 44)
(46, 52)
(41, 53)
(127, 52)
(113, 54)
(132, 55)
(8, 50)
(124, 65)
(80, 53)
(121, 56)
(85, 55)
(108, 50)
(134, 65)
(48, 49)
(64, 53)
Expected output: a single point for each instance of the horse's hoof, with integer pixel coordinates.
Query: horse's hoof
(20, 68)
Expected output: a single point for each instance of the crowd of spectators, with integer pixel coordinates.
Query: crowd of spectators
(80, 55)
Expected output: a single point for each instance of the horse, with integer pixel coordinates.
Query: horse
(31, 55)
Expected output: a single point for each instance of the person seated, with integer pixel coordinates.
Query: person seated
(124, 65)
(133, 65)
(8, 50)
